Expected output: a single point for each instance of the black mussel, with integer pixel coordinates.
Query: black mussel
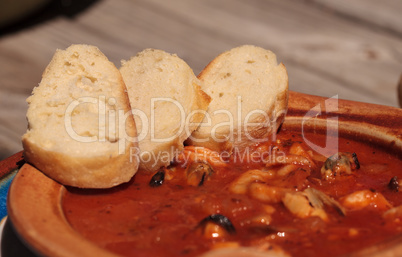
(224, 224)
(197, 173)
(340, 164)
(356, 161)
(157, 179)
(318, 199)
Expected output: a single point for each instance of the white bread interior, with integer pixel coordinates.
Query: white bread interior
(167, 103)
(90, 149)
(249, 92)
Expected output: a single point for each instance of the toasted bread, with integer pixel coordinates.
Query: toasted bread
(167, 103)
(249, 92)
(80, 130)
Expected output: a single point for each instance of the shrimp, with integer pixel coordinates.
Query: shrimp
(297, 156)
(242, 183)
(266, 193)
(253, 183)
(365, 198)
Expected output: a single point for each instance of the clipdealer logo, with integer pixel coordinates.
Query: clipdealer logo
(112, 124)
(109, 119)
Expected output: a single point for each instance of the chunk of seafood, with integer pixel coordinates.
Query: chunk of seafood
(298, 149)
(340, 164)
(290, 159)
(242, 183)
(267, 193)
(393, 214)
(299, 205)
(287, 169)
(261, 225)
(198, 172)
(216, 225)
(297, 156)
(364, 198)
(318, 199)
(262, 219)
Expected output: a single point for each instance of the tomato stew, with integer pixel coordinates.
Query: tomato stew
(280, 197)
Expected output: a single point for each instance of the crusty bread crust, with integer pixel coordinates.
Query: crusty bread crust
(153, 74)
(250, 74)
(91, 172)
(81, 71)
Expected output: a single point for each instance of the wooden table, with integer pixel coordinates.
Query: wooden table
(352, 49)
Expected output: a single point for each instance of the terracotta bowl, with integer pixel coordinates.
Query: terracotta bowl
(34, 200)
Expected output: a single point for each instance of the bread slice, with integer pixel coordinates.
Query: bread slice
(167, 103)
(80, 130)
(249, 92)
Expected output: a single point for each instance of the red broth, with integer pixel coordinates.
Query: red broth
(136, 219)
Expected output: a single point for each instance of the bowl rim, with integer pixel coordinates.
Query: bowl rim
(34, 200)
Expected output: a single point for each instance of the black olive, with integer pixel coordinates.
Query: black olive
(157, 179)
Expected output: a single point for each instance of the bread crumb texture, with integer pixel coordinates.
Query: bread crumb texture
(78, 122)
(167, 104)
(249, 92)
(84, 116)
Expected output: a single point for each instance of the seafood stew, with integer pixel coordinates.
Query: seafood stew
(283, 198)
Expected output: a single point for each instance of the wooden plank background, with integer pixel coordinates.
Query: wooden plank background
(352, 49)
